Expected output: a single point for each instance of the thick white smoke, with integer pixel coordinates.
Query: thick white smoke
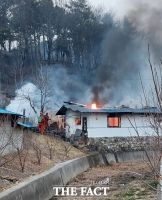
(20, 102)
(62, 87)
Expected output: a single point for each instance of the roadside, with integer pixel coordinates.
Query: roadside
(127, 181)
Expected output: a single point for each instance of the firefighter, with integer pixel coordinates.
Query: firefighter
(41, 123)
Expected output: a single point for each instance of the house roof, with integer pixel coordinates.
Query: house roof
(4, 111)
(27, 125)
(83, 109)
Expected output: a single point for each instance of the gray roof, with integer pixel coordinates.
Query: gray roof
(83, 109)
(4, 111)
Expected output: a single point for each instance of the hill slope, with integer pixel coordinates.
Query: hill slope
(40, 152)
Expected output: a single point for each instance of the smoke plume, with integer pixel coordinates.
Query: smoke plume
(125, 54)
(124, 57)
(147, 16)
(61, 86)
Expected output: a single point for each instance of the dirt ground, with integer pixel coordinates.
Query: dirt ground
(40, 152)
(126, 181)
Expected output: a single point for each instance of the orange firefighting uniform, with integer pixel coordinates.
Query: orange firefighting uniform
(41, 125)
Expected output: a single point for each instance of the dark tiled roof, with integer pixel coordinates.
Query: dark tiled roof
(83, 109)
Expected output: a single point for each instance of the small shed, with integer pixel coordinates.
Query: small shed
(11, 134)
(109, 122)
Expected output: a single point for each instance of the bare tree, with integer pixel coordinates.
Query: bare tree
(37, 146)
(66, 148)
(43, 89)
(51, 147)
(151, 140)
(23, 153)
(22, 160)
(10, 139)
(43, 82)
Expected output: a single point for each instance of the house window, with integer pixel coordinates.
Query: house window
(77, 121)
(113, 121)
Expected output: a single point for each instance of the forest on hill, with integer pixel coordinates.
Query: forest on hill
(88, 42)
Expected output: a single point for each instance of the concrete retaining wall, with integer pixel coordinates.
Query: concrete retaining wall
(111, 157)
(159, 191)
(159, 188)
(128, 156)
(40, 187)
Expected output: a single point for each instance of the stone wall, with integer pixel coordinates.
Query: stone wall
(116, 144)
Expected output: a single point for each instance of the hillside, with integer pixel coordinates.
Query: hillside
(40, 152)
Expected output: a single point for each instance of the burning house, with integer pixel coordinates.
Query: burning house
(108, 122)
(11, 134)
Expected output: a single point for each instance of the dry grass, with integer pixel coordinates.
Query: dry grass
(125, 183)
(47, 145)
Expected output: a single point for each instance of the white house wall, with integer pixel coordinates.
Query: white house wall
(97, 124)
(10, 137)
(70, 120)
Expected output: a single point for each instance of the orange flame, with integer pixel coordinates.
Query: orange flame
(93, 106)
